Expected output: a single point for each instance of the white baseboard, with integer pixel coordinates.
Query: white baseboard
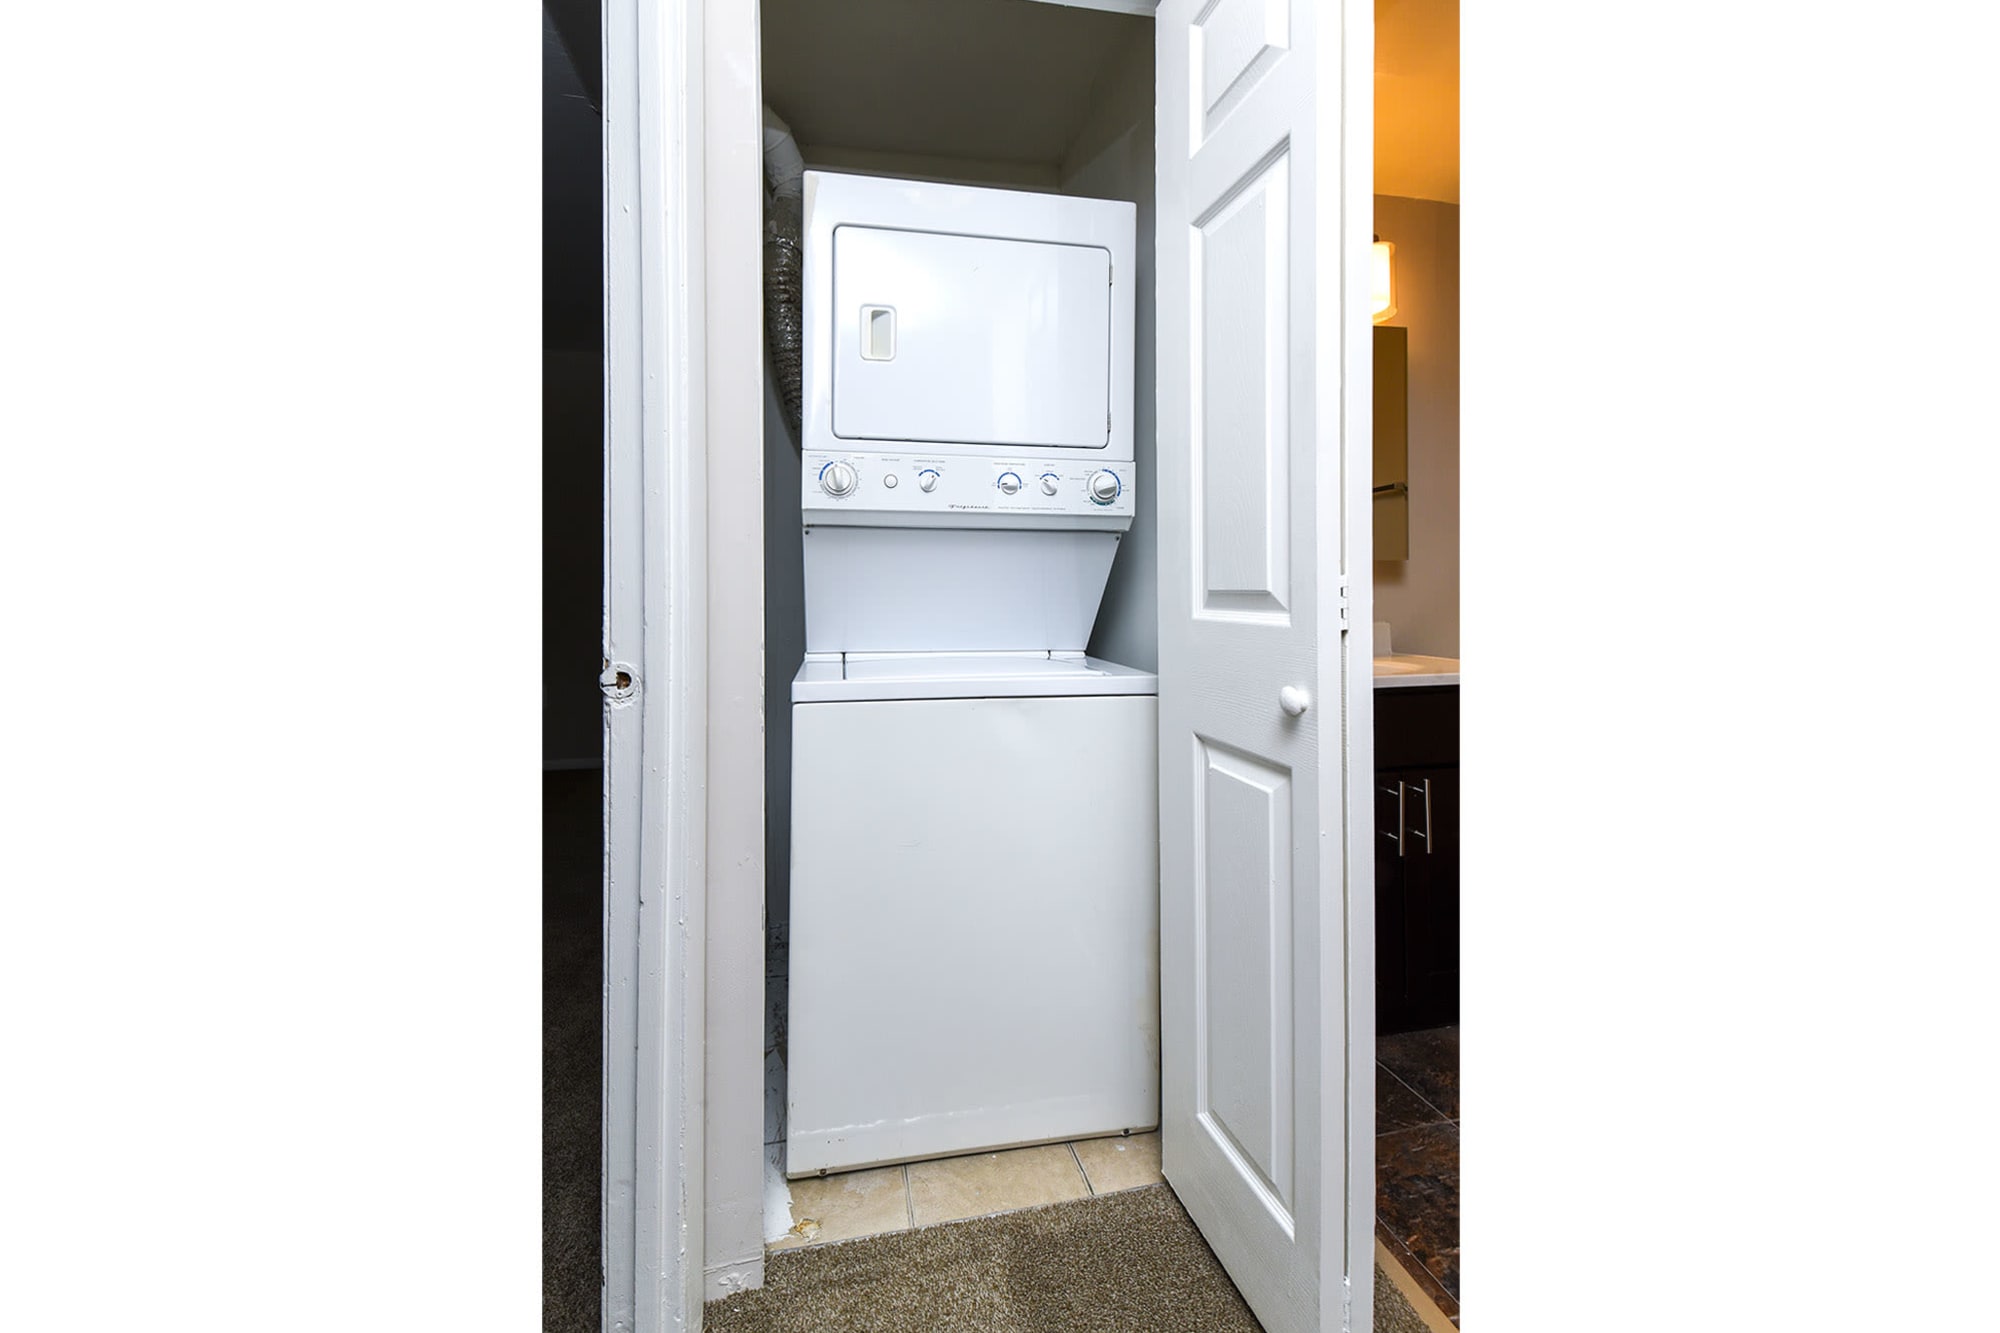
(564, 765)
(728, 1279)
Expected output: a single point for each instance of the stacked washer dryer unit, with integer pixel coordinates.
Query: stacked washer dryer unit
(975, 853)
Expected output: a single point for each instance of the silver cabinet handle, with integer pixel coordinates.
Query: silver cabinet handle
(1428, 848)
(1294, 700)
(1425, 788)
(1402, 824)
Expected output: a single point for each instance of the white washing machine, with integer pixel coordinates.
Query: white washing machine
(975, 876)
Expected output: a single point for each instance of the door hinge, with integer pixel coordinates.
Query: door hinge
(1341, 603)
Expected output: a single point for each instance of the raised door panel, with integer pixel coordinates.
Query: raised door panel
(1233, 43)
(1241, 444)
(1244, 903)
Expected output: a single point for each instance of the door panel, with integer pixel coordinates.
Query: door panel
(1256, 689)
(1232, 41)
(1241, 451)
(1243, 895)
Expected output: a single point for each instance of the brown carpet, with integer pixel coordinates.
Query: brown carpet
(572, 1046)
(1119, 1263)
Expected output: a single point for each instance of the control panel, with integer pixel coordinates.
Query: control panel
(919, 484)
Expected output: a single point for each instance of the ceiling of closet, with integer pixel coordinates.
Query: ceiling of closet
(995, 80)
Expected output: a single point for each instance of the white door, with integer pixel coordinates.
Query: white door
(1266, 926)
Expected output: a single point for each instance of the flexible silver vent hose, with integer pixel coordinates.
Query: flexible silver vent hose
(784, 262)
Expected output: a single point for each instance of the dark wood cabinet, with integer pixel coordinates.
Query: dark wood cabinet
(1416, 857)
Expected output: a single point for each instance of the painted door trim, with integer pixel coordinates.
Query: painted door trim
(1357, 649)
(655, 633)
(731, 1230)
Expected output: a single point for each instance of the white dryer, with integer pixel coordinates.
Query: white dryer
(974, 898)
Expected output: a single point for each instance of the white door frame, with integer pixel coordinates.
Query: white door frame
(1357, 559)
(655, 644)
(656, 632)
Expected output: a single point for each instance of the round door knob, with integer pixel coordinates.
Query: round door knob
(1049, 480)
(1010, 483)
(1294, 700)
(1104, 487)
(839, 479)
(927, 480)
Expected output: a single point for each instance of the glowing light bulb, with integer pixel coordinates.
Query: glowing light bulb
(1382, 282)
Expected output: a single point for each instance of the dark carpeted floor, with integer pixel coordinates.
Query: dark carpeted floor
(572, 1047)
(1118, 1263)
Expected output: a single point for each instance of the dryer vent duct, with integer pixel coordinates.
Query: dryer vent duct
(784, 262)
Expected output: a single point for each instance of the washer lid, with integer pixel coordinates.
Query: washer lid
(860, 676)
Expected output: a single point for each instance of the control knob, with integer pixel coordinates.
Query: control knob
(1104, 487)
(1009, 483)
(927, 480)
(1049, 482)
(839, 479)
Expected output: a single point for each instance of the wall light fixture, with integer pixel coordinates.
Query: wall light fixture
(1382, 281)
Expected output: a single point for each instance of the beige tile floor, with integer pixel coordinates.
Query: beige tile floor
(854, 1204)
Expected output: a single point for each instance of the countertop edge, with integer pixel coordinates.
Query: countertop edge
(1406, 681)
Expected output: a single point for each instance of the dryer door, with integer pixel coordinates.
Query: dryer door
(970, 340)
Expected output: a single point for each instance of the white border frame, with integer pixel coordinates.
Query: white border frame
(732, 261)
(1356, 136)
(655, 631)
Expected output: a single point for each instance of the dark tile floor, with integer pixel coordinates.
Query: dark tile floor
(1416, 1157)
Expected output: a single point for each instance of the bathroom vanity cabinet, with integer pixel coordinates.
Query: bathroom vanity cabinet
(1416, 857)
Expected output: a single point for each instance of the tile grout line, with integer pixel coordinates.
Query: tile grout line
(1090, 1187)
(1419, 1060)
(1398, 1134)
(1413, 1092)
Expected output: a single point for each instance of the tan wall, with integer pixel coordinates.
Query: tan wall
(1419, 596)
